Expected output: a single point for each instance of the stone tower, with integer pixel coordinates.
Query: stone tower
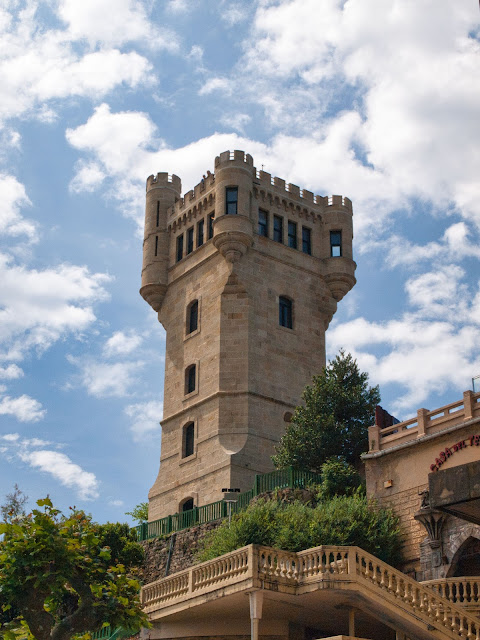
(245, 273)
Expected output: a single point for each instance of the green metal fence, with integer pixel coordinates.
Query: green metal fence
(285, 478)
(111, 633)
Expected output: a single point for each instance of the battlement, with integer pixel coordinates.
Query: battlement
(233, 157)
(163, 179)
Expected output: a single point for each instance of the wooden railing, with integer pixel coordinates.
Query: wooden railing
(463, 590)
(425, 422)
(276, 569)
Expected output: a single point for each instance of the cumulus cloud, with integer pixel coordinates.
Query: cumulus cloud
(145, 418)
(37, 307)
(13, 197)
(61, 467)
(121, 343)
(215, 84)
(23, 408)
(11, 372)
(31, 451)
(104, 380)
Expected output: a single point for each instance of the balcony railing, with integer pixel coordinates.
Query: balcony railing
(463, 590)
(285, 478)
(344, 568)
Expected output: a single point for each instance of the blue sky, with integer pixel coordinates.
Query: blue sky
(377, 100)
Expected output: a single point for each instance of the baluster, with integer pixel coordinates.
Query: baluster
(461, 628)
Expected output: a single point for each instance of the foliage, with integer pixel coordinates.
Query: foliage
(341, 520)
(62, 576)
(338, 408)
(338, 478)
(139, 513)
(14, 506)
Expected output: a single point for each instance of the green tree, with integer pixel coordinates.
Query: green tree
(14, 506)
(341, 520)
(333, 421)
(63, 576)
(139, 513)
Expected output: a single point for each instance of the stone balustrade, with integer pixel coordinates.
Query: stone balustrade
(462, 590)
(342, 567)
(425, 423)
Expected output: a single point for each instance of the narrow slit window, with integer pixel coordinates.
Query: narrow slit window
(292, 234)
(278, 229)
(190, 378)
(211, 218)
(189, 240)
(285, 315)
(156, 246)
(179, 248)
(231, 197)
(188, 439)
(158, 213)
(306, 240)
(335, 244)
(263, 223)
(192, 316)
(200, 228)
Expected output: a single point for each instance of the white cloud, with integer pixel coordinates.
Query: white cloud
(10, 437)
(236, 121)
(23, 408)
(104, 380)
(116, 503)
(232, 13)
(61, 467)
(145, 418)
(121, 343)
(215, 84)
(37, 307)
(13, 197)
(98, 22)
(11, 372)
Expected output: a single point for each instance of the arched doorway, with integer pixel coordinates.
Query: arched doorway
(466, 561)
(187, 505)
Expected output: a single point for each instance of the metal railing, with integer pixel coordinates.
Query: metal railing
(283, 479)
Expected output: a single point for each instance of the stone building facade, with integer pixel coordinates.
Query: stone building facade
(245, 272)
(399, 468)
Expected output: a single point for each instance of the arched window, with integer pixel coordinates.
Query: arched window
(186, 505)
(285, 312)
(188, 444)
(190, 378)
(192, 316)
(466, 561)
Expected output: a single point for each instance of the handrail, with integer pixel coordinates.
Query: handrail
(464, 590)
(278, 479)
(336, 564)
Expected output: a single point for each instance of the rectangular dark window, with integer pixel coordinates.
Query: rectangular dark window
(189, 439)
(158, 213)
(263, 223)
(190, 378)
(211, 217)
(278, 229)
(156, 246)
(335, 244)
(292, 234)
(179, 248)
(231, 198)
(200, 227)
(189, 240)
(285, 318)
(193, 316)
(306, 240)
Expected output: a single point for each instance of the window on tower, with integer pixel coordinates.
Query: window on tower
(210, 219)
(306, 240)
(179, 248)
(292, 234)
(192, 317)
(231, 198)
(189, 240)
(156, 246)
(285, 315)
(335, 244)
(190, 378)
(263, 223)
(188, 445)
(278, 229)
(200, 227)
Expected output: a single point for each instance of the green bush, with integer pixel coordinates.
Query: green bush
(338, 478)
(341, 520)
